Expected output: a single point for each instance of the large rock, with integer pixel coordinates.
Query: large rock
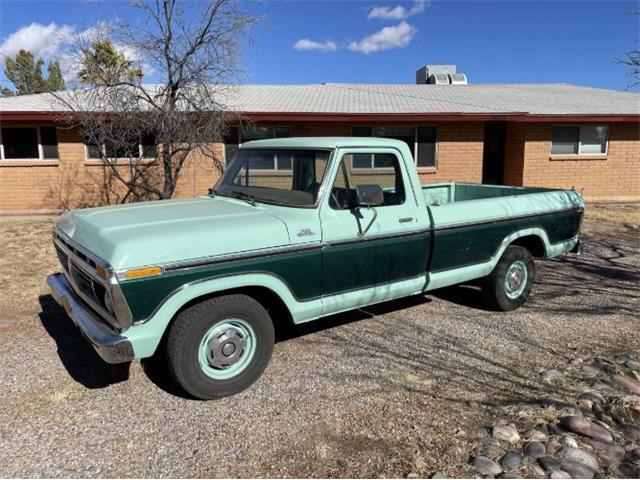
(633, 365)
(629, 383)
(535, 450)
(569, 442)
(634, 456)
(577, 470)
(506, 433)
(559, 474)
(534, 435)
(484, 466)
(592, 395)
(549, 463)
(578, 456)
(583, 426)
(610, 452)
(631, 431)
(511, 460)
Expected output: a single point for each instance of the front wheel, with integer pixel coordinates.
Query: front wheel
(509, 284)
(220, 346)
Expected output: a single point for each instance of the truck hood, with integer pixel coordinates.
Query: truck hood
(157, 232)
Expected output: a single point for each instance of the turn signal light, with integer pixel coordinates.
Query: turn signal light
(102, 272)
(142, 272)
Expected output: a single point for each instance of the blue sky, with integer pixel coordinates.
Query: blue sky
(385, 42)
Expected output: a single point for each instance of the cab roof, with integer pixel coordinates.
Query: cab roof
(324, 142)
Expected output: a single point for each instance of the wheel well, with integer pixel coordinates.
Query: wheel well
(533, 243)
(280, 314)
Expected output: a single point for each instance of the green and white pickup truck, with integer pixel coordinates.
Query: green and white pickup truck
(295, 229)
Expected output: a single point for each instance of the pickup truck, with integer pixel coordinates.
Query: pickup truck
(294, 230)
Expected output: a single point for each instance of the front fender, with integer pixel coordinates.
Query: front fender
(145, 337)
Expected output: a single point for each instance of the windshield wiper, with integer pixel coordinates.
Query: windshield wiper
(245, 196)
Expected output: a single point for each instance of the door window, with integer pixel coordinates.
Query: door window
(350, 175)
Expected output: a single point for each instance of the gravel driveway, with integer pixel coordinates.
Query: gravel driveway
(391, 391)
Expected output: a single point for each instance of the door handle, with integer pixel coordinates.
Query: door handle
(405, 219)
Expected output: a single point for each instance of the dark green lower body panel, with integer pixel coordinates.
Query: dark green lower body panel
(477, 243)
(368, 263)
(309, 274)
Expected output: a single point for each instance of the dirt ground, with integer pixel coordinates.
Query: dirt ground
(392, 391)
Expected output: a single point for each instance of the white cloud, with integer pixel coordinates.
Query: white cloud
(60, 42)
(41, 40)
(396, 36)
(398, 12)
(306, 44)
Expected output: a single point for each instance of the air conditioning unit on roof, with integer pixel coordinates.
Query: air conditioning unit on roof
(439, 79)
(458, 79)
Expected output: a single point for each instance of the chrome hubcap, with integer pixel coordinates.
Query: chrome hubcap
(226, 349)
(516, 279)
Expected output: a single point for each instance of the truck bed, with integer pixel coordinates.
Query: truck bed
(445, 193)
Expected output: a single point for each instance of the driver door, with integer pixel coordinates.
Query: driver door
(389, 251)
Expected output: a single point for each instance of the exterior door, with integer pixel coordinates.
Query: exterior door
(364, 247)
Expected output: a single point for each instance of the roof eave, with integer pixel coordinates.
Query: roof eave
(379, 117)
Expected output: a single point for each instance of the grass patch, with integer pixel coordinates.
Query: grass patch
(26, 259)
(623, 213)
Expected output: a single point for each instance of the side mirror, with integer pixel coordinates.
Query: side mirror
(369, 195)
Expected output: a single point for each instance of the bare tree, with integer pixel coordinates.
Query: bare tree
(632, 60)
(193, 48)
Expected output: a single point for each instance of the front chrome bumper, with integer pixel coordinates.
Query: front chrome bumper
(113, 348)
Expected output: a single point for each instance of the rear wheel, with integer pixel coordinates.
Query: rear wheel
(509, 284)
(221, 346)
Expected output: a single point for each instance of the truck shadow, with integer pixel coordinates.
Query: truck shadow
(78, 357)
(156, 370)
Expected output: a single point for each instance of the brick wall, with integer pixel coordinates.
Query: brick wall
(615, 175)
(73, 182)
(459, 154)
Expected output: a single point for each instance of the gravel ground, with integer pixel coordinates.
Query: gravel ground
(390, 391)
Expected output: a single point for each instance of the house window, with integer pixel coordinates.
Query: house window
(235, 136)
(144, 146)
(420, 140)
(582, 140)
(29, 143)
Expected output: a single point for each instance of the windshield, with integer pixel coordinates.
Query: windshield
(281, 176)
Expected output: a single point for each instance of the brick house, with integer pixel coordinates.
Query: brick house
(547, 135)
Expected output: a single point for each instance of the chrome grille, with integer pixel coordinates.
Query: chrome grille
(80, 269)
(63, 257)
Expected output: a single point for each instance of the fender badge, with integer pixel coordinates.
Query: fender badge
(305, 232)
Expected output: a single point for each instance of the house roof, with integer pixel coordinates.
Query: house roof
(397, 99)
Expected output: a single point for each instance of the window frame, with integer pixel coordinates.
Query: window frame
(41, 157)
(414, 150)
(579, 153)
(268, 171)
(103, 147)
